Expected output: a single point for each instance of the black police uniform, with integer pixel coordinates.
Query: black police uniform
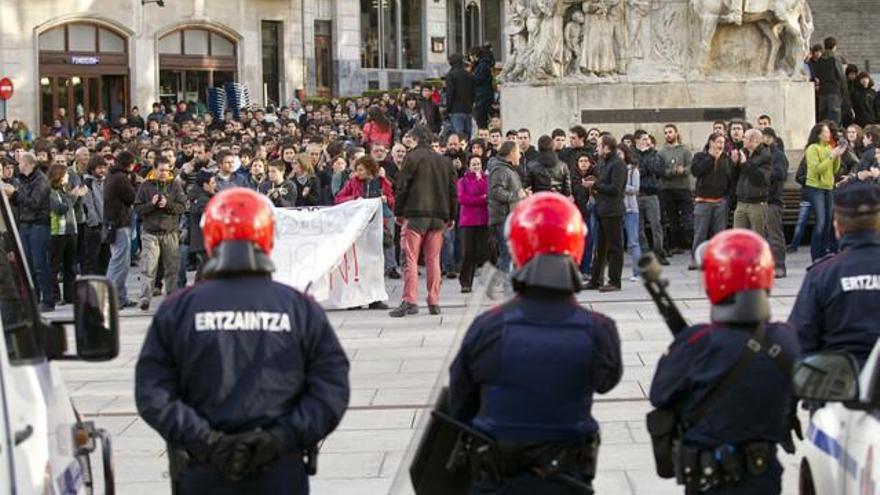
(234, 353)
(751, 411)
(525, 376)
(836, 308)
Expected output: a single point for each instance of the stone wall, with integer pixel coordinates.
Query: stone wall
(854, 24)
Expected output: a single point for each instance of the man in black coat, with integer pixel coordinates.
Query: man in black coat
(119, 195)
(546, 172)
(751, 174)
(460, 94)
(609, 187)
(31, 197)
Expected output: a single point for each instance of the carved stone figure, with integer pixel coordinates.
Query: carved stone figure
(516, 27)
(787, 25)
(574, 35)
(552, 40)
(546, 41)
(601, 52)
(637, 28)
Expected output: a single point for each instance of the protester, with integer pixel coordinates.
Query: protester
(159, 202)
(609, 184)
(675, 192)
(119, 197)
(32, 199)
(751, 174)
(62, 254)
(473, 219)
(505, 191)
(460, 94)
(823, 162)
(425, 204)
(714, 188)
(631, 207)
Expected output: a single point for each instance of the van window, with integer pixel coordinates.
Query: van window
(17, 310)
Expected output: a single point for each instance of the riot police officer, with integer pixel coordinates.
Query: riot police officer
(240, 374)
(728, 382)
(836, 308)
(527, 370)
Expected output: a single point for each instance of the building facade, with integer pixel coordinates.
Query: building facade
(86, 55)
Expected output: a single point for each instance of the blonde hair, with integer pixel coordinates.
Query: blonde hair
(305, 163)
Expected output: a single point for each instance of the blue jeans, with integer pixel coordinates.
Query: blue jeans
(390, 257)
(820, 199)
(461, 124)
(448, 258)
(803, 215)
(631, 228)
(120, 260)
(35, 242)
(592, 242)
(503, 262)
(181, 268)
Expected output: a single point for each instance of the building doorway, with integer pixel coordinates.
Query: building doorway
(83, 69)
(324, 58)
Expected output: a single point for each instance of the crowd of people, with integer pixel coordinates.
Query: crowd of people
(98, 197)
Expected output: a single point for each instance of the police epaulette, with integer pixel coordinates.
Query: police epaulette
(821, 260)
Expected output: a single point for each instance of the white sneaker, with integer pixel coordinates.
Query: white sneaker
(634, 278)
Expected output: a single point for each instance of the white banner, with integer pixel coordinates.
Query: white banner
(338, 250)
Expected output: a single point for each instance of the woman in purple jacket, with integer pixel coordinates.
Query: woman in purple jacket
(473, 220)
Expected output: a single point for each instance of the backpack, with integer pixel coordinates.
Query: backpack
(801, 175)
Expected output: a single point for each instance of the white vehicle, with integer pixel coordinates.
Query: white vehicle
(44, 446)
(841, 448)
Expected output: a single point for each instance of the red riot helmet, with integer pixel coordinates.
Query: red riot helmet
(238, 214)
(738, 275)
(545, 223)
(545, 233)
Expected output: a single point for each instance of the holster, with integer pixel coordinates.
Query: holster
(663, 426)
(178, 461)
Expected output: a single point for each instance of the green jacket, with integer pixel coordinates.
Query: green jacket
(821, 167)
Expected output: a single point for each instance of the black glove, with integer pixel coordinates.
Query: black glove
(264, 448)
(228, 456)
(793, 428)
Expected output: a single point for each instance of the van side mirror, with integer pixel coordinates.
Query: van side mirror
(827, 377)
(96, 319)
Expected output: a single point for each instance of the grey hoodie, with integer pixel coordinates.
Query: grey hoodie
(504, 189)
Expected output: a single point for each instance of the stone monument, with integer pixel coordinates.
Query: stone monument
(622, 64)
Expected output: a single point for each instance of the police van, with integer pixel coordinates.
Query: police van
(838, 452)
(45, 447)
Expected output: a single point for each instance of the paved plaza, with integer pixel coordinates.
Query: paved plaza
(397, 364)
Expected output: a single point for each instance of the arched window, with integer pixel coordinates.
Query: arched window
(191, 59)
(83, 69)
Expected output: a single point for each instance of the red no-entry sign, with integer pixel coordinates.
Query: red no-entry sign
(6, 89)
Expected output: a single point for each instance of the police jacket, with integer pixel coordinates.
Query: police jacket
(753, 408)
(547, 173)
(526, 371)
(752, 178)
(836, 308)
(234, 354)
